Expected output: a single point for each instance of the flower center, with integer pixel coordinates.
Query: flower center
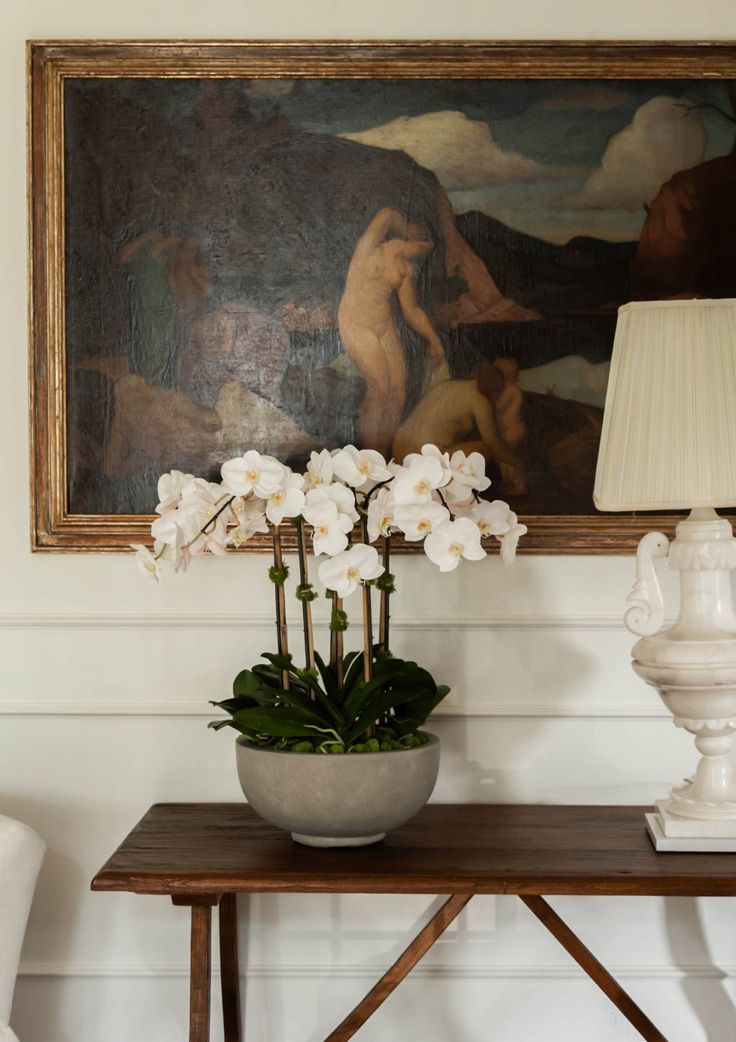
(421, 487)
(352, 574)
(455, 549)
(424, 526)
(322, 530)
(364, 466)
(278, 497)
(251, 475)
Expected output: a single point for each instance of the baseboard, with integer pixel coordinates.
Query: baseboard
(309, 971)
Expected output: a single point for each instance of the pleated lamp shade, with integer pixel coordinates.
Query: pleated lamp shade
(669, 427)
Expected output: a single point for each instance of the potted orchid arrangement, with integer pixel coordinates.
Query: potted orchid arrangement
(349, 503)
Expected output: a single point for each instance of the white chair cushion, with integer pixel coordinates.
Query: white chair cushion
(21, 854)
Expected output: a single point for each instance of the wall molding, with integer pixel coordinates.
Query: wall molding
(262, 620)
(130, 621)
(311, 971)
(504, 710)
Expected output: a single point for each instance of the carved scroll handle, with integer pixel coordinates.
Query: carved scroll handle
(646, 614)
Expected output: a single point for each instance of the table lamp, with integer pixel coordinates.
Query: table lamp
(669, 443)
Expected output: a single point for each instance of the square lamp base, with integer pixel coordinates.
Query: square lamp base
(670, 832)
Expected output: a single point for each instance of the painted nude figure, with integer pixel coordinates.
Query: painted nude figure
(381, 272)
(483, 415)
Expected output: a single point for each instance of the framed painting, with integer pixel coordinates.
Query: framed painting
(287, 246)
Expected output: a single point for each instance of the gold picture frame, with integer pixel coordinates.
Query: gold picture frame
(54, 68)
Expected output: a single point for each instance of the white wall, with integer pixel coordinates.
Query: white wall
(104, 678)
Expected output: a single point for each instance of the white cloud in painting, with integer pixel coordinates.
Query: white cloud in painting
(571, 377)
(663, 137)
(460, 151)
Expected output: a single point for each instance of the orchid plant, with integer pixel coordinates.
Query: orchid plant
(360, 701)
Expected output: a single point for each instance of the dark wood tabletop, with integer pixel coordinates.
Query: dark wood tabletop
(218, 848)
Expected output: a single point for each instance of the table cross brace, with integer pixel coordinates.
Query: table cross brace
(425, 939)
(594, 969)
(403, 965)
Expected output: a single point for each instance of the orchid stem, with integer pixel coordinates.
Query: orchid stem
(367, 618)
(333, 636)
(338, 659)
(367, 625)
(384, 619)
(208, 525)
(305, 598)
(367, 634)
(281, 629)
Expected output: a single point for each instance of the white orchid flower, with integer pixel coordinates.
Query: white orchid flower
(510, 540)
(330, 527)
(492, 518)
(433, 452)
(419, 520)
(190, 529)
(146, 561)
(173, 530)
(360, 468)
(166, 529)
(415, 483)
(340, 495)
(380, 513)
(170, 487)
(458, 496)
(470, 470)
(251, 517)
(252, 473)
(204, 494)
(452, 540)
(287, 500)
(344, 572)
(319, 469)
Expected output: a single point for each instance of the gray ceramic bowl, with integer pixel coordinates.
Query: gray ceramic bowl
(335, 801)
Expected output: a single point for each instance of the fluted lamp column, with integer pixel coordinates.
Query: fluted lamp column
(669, 443)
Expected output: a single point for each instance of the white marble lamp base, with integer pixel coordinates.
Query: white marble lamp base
(670, 832)
(692, 665)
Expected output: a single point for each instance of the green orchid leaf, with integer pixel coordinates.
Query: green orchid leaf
(275, 722)
(421, 708)
(316, 696)
(269, 676)
(329, 678)
(232, 705)
(263, 696)
(375, 708)
(353, 669)
(322, 711)
(273, 680)
(217, 725)
(361, 691)
(246, 683)
(280, 661)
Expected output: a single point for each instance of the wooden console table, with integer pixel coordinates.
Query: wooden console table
(204, 854)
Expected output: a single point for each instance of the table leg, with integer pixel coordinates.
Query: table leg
(595, 970)
(229, 969)
(199, 993)
(200, 963)
(406, 962)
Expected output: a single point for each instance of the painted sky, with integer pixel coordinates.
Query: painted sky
(551, 158)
